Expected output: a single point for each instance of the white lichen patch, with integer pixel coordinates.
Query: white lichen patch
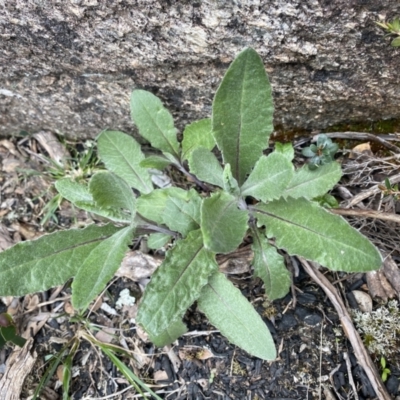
(380, 329)
(125, 299)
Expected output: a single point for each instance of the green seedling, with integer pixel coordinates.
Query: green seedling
(252, 196)
(385, 371)
(393, 28)
(321, 153)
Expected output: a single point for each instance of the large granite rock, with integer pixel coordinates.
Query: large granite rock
(69, 65)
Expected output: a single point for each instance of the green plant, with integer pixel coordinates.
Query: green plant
(321, 153)
(385, 371)
(8, 331)
(390, 190)
(250, 195)
(393, 28)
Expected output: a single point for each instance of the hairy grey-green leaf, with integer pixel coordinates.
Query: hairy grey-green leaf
(269, 266)
(223, 225)
(157, 240)
(242, 113)
(51, 260)
(197, 134)
(152, 205)
(303, 228)
(109, 191)
(285, 149)
(235, 317)
(230, 183)
(313, 183)
(176, 284)
(154, 121)
(269, 177)
(79, 195)
(170, 334)
(97, 269)
(205, 165)
(156, 162)
(181, 215)
(122, 155)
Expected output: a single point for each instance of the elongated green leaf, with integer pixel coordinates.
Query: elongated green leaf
(152, 206)
(269, 177)
(182, 215)
(99, 267)
(230, 183)
(156, 162)
(223, 225)
(49, 261)
(303, 228)
(176, 284)
(79, 195)
(122, 155)
(313, 183)
(197, 134)
(170, 334)
(154, 122)
(205, 165)
(157, 240)
(111, 191)
(242, 113)
(235, 317)
(269, 265)
(285, 149)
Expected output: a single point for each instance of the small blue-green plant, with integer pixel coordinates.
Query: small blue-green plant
(321, 153)
(262, 198)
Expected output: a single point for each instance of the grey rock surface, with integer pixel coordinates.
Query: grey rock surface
(69, 65)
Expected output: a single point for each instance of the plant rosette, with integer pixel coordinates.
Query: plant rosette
(248, 194)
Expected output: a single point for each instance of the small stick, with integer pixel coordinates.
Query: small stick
(348, 365)
(366, 214)
(371, 191)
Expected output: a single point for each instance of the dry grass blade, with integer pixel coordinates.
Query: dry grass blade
(359, 350)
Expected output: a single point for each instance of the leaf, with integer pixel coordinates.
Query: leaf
(170, 334)
(205, 165)
(223, 225)
(395, 42)
(156, 162)
(286, 149)
(155, 123)
(152, 205)
(197, 134)
(99, 267)
(176, 284)
(122, 155)
(51, 260)
(157, 240)
(79, 195)
(313, 183)
(235, 317)
(303, 228)
(269, 177)
(182, 215)
(109, 191)
(242, 113)
(269, 265)
(230, 183)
